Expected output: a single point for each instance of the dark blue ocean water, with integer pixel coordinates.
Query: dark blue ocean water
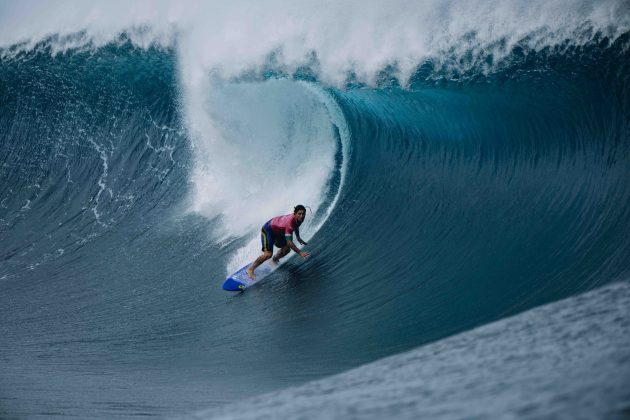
(567, 359)
(458, 200)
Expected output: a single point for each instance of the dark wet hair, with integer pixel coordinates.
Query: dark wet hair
(298, 208)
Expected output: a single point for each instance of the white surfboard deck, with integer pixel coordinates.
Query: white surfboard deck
(240, 281)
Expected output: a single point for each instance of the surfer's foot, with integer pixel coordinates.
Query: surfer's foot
(276, 260)
(250, 274)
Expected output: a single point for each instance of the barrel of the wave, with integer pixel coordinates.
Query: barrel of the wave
(240, 281)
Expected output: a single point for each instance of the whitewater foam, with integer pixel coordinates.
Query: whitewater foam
(101, 181)
(260, 149)
(333, 38)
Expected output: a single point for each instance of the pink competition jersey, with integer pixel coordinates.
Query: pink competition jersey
(284, 225)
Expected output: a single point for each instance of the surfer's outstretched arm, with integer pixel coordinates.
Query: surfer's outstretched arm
(298, 250)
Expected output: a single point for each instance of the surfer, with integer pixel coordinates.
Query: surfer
(279, 232)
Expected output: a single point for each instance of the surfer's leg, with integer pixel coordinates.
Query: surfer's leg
(266, 238)
(281, 243)
(281, 253)
(264, 257)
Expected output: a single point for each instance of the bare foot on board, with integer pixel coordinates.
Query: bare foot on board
(251, 274)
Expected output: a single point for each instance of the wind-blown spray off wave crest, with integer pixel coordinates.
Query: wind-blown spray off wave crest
(396, 36)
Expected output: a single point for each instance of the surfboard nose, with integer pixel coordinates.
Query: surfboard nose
(232, 285)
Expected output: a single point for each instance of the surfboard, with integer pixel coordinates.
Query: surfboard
(240, 281)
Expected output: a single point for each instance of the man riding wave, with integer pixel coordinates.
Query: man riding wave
(279, 232)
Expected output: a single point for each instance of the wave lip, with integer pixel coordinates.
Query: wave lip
(333, 41)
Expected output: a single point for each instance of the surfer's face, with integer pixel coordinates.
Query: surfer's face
(300, 215)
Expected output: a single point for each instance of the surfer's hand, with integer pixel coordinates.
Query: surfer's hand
(302, 242)
(305, 254)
